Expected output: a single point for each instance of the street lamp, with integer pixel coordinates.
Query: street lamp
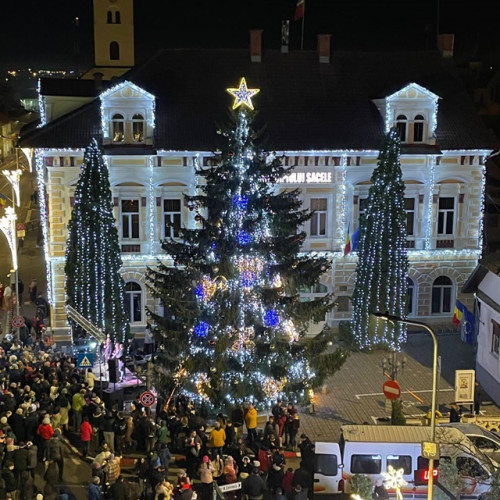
(393, 365)
(13, 176)
(8, 227)
(396, 319)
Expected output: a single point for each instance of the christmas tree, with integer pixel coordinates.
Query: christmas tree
(382, 270)
(94, 286)
(233, 325)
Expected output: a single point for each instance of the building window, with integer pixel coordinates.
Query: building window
(171, 217)
(118, 126)
(418, 128)
(446, 216)
(410, 216)
(117, 17)
(114, 51)
(133, 301)
(312, 292)
(138, 128)
(410, 290)
(318, 219)
(110, 17)
(495, 337)
(130, 219)
(441, 295)
(401, 125)
(343, 303)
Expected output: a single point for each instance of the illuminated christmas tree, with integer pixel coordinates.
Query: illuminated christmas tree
(382, 271)
(233, 325)
(94, 285)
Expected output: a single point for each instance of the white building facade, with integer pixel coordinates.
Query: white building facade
(151, 157)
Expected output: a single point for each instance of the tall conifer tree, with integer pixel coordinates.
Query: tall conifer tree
(94, 285)
(382, 270)
(233, 325)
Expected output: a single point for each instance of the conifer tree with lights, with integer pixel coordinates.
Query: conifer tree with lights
(233, 325)
(382, 269)
(94, 285)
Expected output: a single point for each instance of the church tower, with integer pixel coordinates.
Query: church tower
(113, 39)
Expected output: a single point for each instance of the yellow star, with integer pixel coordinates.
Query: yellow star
(243, 95)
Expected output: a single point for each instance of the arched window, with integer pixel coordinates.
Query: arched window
(117, 17)
(138, 128)
(401, 125)
(418, 128)
(410, 288)
(110, 17)
(441, 295)
(133, 301)
(118, 127)
(114, 51)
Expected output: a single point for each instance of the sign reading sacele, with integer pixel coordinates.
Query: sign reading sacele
(307, 178)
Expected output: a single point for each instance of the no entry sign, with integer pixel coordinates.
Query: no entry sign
(391, 389)
(147, 398)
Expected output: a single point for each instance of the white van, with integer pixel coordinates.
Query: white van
(370, 449)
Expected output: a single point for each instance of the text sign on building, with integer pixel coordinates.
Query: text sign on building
(307, 178)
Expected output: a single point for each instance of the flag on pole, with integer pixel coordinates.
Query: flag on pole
(355, 240)
(469, 326)
(458, 313)
(347, 247)
(300, 9)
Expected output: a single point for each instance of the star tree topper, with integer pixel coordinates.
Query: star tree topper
(243, 95)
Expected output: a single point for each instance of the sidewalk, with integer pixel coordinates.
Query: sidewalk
(354, 394)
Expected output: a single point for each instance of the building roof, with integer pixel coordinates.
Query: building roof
(303, 104)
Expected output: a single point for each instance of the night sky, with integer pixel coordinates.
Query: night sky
(42, 32)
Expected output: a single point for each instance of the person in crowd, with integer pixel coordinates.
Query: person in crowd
(251, 423)
(95, 492)
(253, 486)
(455, 414)
(45, 431)
(120, 490)
(217, 439)
(148, 341)
(205, 474)
(85, 436)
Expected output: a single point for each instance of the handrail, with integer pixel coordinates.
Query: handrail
(85, 324)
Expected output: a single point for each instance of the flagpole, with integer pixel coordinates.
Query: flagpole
(302, 34)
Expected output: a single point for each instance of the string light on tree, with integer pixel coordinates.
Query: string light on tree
(227, 302)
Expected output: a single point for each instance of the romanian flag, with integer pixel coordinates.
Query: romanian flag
(458, 313)
(347, 247)
(300, 9)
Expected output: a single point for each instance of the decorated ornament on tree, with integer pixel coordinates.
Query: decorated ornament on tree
(201, 329)
(271, 318)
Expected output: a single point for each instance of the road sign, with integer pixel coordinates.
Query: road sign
(391, 389)
(230, 487)
(85, 360)
(147, 398)
(430, 449)
(18, 322)
(20, 226)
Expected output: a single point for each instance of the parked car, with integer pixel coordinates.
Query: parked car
(486, 441)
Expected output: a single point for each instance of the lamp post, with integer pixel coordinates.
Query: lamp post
(393, 319)
(393, 365)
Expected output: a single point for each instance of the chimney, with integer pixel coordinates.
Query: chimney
(256, 45)
(324, 42)
(445, 44)
(98, 80)
(285, 35)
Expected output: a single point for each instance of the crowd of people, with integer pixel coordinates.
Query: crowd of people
(46, 403)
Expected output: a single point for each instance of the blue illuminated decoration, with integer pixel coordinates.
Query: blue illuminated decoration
(201, 329)
(241, 202)
(271, 318)
(248, 279)
(199, 291)
(243, 238)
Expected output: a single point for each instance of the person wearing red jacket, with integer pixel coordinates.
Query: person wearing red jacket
(45, 431)
(85, 436)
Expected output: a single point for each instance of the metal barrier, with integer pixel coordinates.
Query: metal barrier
(85, 324)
